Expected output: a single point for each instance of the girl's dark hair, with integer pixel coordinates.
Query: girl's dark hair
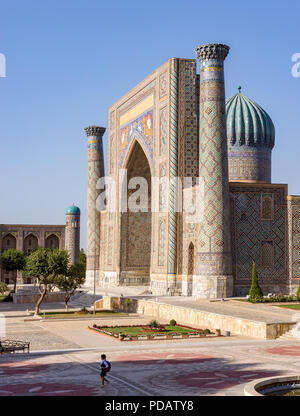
(103, 356)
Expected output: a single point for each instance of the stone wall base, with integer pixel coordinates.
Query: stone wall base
(90, 275)
(164, 284)
(134, 278)
(108, 279)
(200, 319)
(212, 287)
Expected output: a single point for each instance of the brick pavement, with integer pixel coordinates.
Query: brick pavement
(220, 368)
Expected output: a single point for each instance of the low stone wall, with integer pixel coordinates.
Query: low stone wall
(33, 297)
(187, 316)
(253, 388)
(99, 304)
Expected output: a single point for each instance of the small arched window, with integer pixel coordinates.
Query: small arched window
(267, 254)
(191, 260)
(267, 208)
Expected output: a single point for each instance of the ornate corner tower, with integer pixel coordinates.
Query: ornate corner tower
(95, 171)
(72, 233)
(214, 261)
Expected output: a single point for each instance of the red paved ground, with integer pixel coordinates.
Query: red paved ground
(22, 367)
(47, 389)
(292, 350)
(164, 358)
(219, 379)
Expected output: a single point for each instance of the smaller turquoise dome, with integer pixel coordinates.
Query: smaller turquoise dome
(248, 124)
(73, 210)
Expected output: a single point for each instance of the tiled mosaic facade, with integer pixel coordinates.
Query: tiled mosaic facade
(258, 239)
(95, 171)
(214, 251)
(173, 124)
(294, 241)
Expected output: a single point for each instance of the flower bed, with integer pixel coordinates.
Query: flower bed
(144, 332)
(276, 298)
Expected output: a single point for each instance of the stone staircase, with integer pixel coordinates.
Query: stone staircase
(288, 336)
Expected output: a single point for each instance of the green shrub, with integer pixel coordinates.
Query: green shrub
(128, 302)
(173, 322)
(206, 331)
(83, 309)
(8, 298)
(3, 288)
(153, 324)
(255, 291)
(298, 291)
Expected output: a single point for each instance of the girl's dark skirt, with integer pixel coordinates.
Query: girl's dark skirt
(103, 373)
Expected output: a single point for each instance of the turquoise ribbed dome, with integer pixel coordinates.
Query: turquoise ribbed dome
(248, 125)
(73, 210)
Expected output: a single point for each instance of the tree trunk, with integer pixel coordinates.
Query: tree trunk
(37, 306)
(68, 297)
(15, 283)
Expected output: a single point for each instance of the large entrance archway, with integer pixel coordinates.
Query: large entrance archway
(136, 223)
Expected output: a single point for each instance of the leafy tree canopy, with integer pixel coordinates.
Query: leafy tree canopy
(12, 259)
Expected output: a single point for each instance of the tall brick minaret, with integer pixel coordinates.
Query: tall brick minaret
(95, 171)
(214, 268)
(72, 233)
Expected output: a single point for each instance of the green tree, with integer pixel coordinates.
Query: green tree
(255, 290)
(12, 260)
(45, 265)
(71, 281)
(82, 257)
(3, 288)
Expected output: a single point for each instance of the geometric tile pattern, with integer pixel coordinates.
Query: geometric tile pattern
(161, 247)
(142, 129)
(214, 238)
(296, 242)
(172, 256)
(163, 133)
(188, 135)
(95, 171)
(255, 239)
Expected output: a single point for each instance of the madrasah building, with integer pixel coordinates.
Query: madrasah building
(29, 237)
(177, 124)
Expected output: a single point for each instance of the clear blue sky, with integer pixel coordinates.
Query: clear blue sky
(69, 60)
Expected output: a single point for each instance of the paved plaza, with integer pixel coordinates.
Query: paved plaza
(64, 360)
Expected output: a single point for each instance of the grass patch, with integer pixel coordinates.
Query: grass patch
(140, 330)
(6, 298)
(275, 299)
(78, 314)
(295, 306)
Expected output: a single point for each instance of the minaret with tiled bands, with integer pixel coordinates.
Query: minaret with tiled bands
(214, 261)
(95, 171)
(72, 233)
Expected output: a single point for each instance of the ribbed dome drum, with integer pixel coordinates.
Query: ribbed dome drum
(251, 138)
